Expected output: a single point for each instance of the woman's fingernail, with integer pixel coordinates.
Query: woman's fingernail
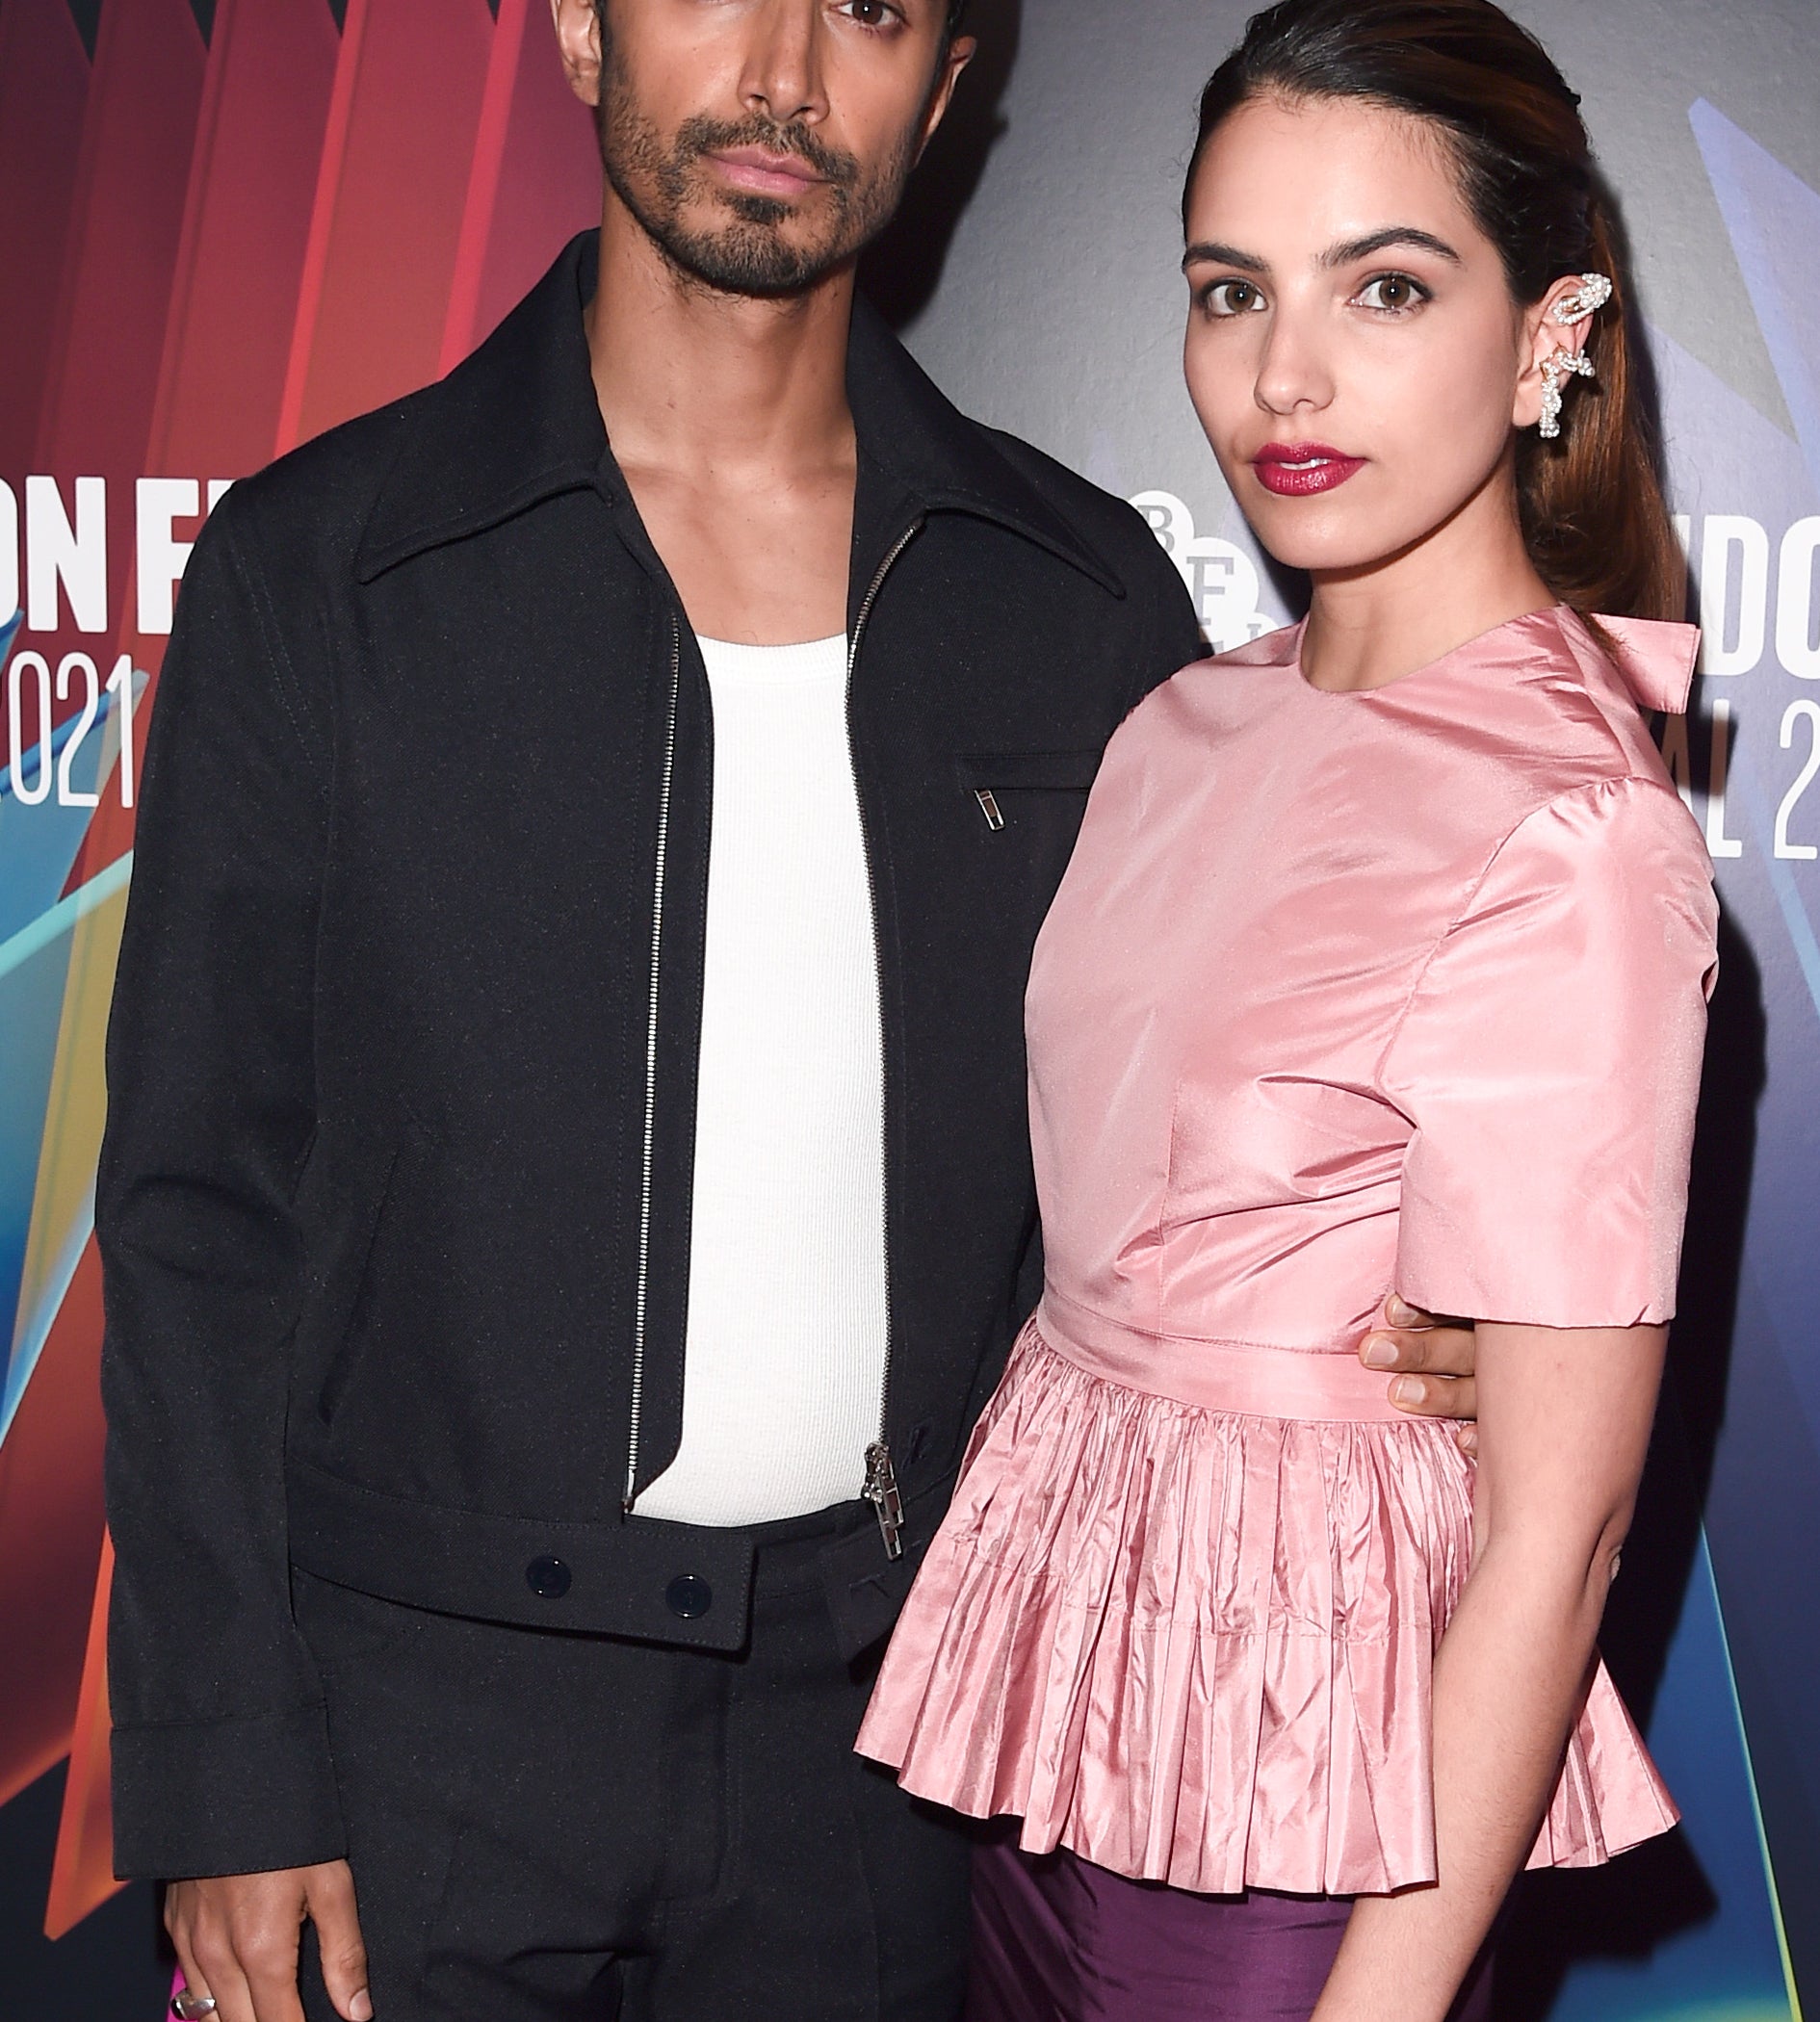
(1406, 1390)
(1380, 1352)
(360, 2008)
(1399, 1309)
(1469, 1439)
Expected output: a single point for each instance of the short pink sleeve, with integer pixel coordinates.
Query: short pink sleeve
(1549, 1061)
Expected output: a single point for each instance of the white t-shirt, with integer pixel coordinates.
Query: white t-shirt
(787, 1301)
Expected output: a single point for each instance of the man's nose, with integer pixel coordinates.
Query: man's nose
(783, 76)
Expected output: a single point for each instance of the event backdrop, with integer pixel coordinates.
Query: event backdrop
(226, 224)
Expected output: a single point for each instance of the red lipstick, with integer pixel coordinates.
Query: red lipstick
(1297, 470)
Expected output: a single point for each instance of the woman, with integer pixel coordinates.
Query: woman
(1381, 966)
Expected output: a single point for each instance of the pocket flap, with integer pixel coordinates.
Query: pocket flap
(1007, 771)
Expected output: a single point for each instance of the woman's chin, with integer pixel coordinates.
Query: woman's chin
(1319, 535)
(1321, 552)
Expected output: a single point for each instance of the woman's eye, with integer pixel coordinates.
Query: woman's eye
(1231, 298)
(1392, 292)
(871, 13)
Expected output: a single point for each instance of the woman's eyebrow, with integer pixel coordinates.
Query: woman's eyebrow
(1216, 252)
(1210, 252)
(1350, 250)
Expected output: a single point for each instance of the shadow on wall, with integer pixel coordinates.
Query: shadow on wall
(901, 273)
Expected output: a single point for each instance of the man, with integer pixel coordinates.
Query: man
(566, 1193)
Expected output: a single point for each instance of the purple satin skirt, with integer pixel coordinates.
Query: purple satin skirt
(1056, 1940)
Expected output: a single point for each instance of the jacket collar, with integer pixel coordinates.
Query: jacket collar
(517, 423)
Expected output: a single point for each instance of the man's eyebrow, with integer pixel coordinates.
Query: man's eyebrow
(1350, 250)
(1210, 252)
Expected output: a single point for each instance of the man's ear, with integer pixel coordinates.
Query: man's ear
(960, 53)
(578, 39)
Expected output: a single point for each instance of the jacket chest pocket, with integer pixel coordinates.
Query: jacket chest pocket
(1007, 789)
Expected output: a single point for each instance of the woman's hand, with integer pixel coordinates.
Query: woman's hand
(1433, 1362)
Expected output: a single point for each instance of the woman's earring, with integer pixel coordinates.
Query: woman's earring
(1556, 366)
(1594, 292)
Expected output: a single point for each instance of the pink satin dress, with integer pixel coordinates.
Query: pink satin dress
(1342, 994)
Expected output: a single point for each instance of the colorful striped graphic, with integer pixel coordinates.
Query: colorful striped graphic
(212, 247)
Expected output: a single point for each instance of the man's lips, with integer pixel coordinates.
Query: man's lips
(763, 173)
(1294, 470)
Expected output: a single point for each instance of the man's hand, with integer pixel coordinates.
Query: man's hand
(237, 1938)
(1440, 1359)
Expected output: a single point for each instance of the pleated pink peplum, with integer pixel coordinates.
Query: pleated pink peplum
(1342, 994)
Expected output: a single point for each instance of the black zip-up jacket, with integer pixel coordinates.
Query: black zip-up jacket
(394, 1204)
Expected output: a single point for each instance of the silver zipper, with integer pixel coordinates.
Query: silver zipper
(881, 1477)
(641, 1303)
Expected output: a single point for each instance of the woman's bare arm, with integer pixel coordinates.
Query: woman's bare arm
(1564, 1424)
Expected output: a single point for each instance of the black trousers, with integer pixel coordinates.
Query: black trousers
(547, 1827)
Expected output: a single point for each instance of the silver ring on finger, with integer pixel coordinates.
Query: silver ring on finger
(192, 2008)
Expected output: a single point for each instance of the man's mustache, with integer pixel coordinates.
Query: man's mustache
(704, 136)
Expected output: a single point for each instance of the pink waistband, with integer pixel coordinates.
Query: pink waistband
(1251, 1377)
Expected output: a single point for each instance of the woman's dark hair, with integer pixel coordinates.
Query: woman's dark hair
(1590, 502)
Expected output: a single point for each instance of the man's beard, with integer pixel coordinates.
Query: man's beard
(750, 255)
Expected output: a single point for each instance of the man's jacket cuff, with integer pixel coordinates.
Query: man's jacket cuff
(227, 1796)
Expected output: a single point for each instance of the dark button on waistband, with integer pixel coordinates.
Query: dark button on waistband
(688, 1597)
(549, 1578)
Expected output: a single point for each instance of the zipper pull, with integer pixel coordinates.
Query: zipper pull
(881, 1492)
(989, 807)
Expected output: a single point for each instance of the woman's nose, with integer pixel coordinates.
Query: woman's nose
(1293, 372)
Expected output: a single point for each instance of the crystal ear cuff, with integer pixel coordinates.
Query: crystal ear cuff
(1593, 292)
